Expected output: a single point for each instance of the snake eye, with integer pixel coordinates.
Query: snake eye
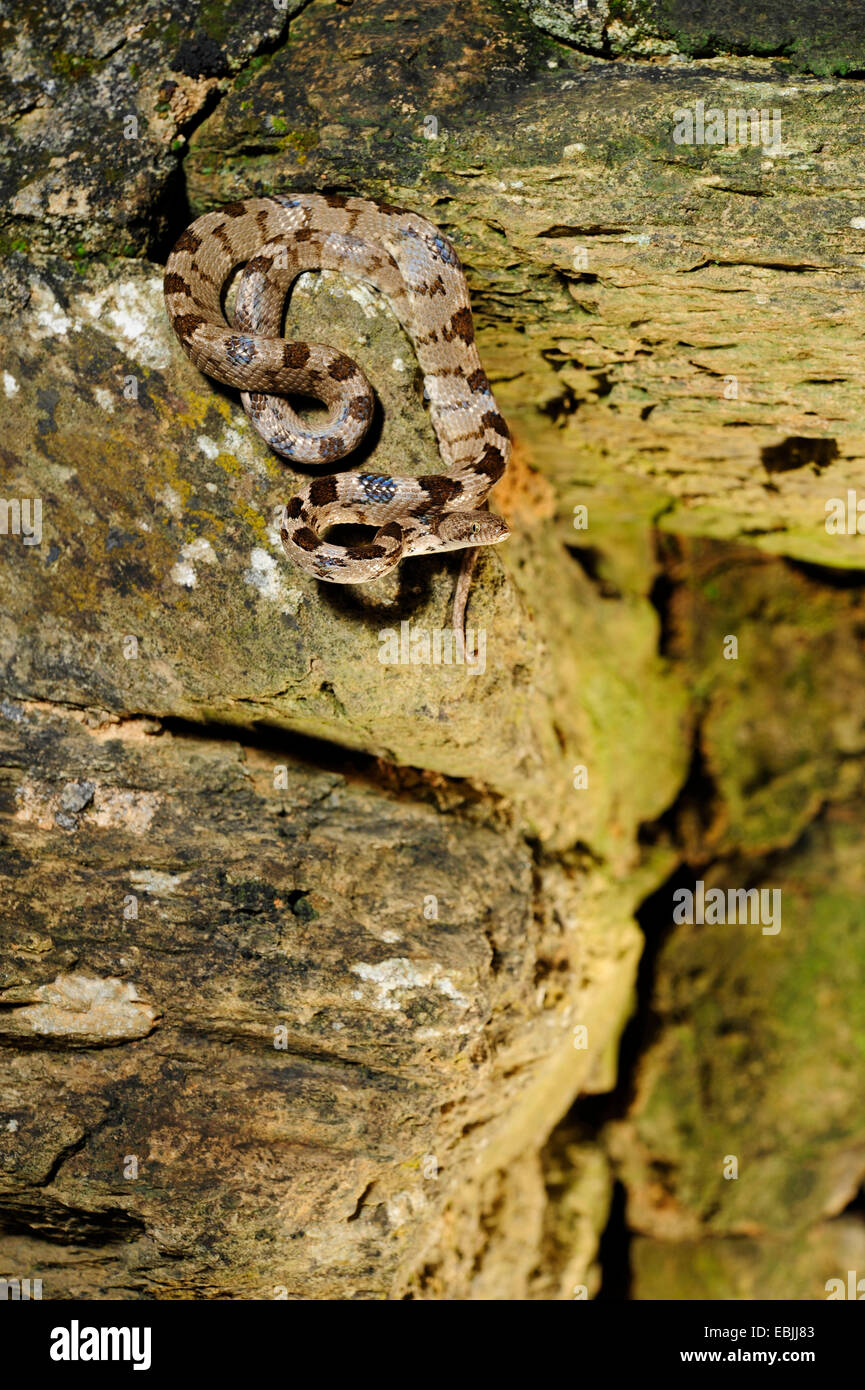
(476, 526)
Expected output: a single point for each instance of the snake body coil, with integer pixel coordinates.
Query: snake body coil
(417, 269)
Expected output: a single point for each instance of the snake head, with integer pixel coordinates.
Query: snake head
(457, 530)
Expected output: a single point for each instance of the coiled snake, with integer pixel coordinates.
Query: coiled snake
(417, 270)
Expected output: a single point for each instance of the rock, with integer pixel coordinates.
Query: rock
(97, 107)
(245, 1056)
(799, 1270)
(767, 1015)
(336, 1017)
(158, 519)
(684, 313)
(735, 622)
(77, 1010)
(813, 38)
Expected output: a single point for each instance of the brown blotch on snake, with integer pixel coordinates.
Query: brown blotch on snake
(186, 324)
(323, 490)
(187, 242)
(341, 369)
(295, 354)
(174, 284)
(492, 462)
(478, 380)
(306, 539)
(460, 326)
(440, 489)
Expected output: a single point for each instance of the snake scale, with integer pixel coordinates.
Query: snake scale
(417, 270)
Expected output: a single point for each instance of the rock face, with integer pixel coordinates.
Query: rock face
(307, 953)
(296, 1023)
(812, 36)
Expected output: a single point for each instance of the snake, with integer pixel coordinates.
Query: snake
(415, 267)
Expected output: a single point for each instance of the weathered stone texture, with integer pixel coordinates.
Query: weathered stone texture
(673, 332)
(315, 1013)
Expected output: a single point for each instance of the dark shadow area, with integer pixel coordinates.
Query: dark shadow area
(319, 754)
(856, 1206)
(171, 213)
(415, 586)
(799, 451)
(823, 574)
(59, 1224)
(694, 813)
(641, 1030)
(661, 599)
(614, 1252)
(591, 561)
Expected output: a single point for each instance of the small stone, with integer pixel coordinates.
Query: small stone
(76, 795)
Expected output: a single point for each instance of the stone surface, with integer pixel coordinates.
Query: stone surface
(684, 313)
(221, 815)
(770, 1019)
(801, 1269)
(779, 729)
(160, 584)
(97, 107)
(814, 36)
(271, 1026)
(769, 1023)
